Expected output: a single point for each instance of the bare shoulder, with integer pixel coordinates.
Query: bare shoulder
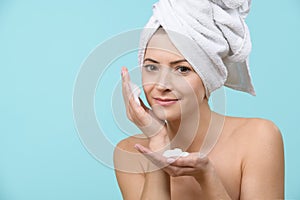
(130, 166)
(253, 128)
(127, 158)
(256, 137)
(264, 135)
(261, 151)
(262, 125)
(264, 130)
(127, 144)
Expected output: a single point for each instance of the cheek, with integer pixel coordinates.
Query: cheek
(192, 86)
(148, 85)
(146, 89)
(198, 87)
(199, 90)
(193, 92)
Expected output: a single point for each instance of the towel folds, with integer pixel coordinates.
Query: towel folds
(211, 34)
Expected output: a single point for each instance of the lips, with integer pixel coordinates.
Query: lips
(165, 101)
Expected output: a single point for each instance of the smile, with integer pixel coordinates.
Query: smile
(165, 101)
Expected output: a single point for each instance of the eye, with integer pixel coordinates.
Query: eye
(183, 69)
(151, 68)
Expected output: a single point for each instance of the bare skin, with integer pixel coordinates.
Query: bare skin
(247, 161)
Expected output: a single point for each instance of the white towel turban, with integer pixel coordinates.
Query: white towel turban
(218, 44)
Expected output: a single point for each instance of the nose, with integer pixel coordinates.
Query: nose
(164, 80)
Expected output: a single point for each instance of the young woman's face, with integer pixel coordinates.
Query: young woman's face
(171, 86)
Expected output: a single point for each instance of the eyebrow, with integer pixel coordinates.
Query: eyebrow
(172, 63)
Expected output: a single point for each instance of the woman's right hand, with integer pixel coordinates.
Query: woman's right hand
(143, 117)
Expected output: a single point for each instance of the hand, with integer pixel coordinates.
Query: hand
(192, 165)
(143, 117)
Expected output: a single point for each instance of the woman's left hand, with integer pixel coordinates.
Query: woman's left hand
(192, 165)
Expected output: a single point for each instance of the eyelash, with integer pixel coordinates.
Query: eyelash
(155, 68)
(185, 68)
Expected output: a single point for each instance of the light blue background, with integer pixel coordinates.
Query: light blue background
(43, 44)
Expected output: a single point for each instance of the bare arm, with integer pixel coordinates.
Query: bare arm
(128, 170)
(263, 167)
(212, 186)
(154, 185)
(146, 184)
(134, 181)
(193, 165)
(157, 186)
(131, 185)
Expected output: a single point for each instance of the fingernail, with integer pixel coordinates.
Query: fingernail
(170, 160)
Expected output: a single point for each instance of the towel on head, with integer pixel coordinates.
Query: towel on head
(211, 34)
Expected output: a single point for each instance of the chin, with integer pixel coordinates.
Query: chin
(166, 114)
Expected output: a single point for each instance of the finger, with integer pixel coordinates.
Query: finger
(126, 90)
(154, 157)
(135, 113)
(125, 82)
(133, 103)
(125, 95)
(136, 108)
(142, 118)
(143, 105)
(142, 149)
(125, 75)
(192, 160)
(180, 171)
(127, 86)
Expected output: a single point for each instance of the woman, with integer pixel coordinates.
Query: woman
(245, 158)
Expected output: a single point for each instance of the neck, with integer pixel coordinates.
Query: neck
(189, 132)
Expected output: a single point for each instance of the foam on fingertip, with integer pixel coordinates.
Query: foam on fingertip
(136, 92)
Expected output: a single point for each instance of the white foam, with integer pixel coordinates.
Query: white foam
(136, 92)
(175, 153)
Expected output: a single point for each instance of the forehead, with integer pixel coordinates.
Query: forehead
(161, 43)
